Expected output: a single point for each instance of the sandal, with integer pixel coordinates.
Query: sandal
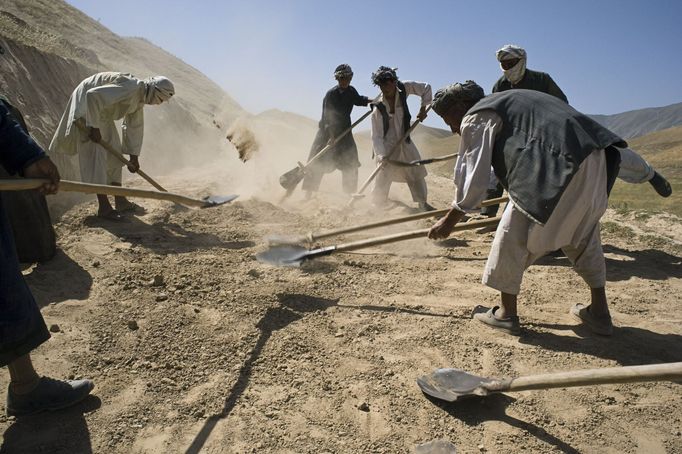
(130, 207)
(661, 185)
(598, 325)
(509, 325)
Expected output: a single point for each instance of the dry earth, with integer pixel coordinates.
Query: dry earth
(195, 346)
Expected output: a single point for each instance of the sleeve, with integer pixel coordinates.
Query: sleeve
(99, 98)
(554, 90)
(378, 133)
(472, 170)
(17, 149)
(324, 120)
(359, 100)
(132, 132)
(420, 89)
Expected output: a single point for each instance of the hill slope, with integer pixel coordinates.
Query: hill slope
(639, 122)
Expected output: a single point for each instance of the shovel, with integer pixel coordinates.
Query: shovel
(292, 255)
(290, 179)
(421, 162)
(122, 158)
(383, 163)
(87, 188)
(452, 384)
(313, 237)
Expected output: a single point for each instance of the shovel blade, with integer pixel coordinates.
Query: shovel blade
(286, 255)
(215, 200)
(452, 384)
(290, 179)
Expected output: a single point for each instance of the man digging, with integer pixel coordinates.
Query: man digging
(557, 166)
(95, 104)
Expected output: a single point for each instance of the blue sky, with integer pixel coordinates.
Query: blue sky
(608, 56)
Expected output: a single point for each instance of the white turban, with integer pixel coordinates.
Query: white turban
(159, 89)
(511, 52)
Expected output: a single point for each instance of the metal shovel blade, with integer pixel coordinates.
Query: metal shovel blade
(452, 384)
(436, 447)
(215, 200)
(290, 179)
(286, 255)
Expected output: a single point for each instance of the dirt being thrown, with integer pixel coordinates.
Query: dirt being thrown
(243, 140)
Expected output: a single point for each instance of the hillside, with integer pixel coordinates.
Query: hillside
(639, 122)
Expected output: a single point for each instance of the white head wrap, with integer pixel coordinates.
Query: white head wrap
(511, 52)
(159, 89)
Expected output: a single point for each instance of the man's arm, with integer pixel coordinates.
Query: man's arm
(423, 90)
(472, 170)
(19, 153)
(554, 90)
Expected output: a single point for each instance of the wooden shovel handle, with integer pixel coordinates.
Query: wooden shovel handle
(339, 137)
(411, 235)
(107, 146)
(87, 188)
(413, 217)
(629, 374)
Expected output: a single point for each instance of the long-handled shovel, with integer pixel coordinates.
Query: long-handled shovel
(453, 384)
(291, 255)
(383, 163)
(421, 162)
(290, 179)
(107, 146)
(87, 188)
(312, 237)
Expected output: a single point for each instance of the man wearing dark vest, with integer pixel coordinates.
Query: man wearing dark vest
(633, 168)
(557, 166)
(22, 327)
(336, 109)
(390, 120)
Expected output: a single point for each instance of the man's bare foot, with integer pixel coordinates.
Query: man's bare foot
(110, 215)
(126, 206)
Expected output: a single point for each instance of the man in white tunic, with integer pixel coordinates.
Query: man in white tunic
(390, 120)
(95, 104)
(557, 166)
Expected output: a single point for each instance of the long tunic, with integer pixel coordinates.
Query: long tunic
(573, 225)
(384, 144)
(97, 102)
(21, 325)
(336, 109)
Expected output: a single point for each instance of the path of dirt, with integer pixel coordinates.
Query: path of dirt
(193, 345)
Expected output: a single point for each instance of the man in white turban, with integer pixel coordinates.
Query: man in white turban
(633, 168)
(95, 104)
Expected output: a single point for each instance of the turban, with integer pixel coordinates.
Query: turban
(447, 97)
(159, 89)
(343, 71)
(384, 73)
(510, 52)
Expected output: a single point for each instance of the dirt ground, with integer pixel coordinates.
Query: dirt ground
(195, 346)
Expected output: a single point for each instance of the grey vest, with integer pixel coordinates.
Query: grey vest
(407, 118)
(541, 145)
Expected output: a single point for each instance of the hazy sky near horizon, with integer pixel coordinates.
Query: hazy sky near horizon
(608, 56)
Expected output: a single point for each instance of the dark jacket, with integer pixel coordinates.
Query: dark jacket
(541, 145)
(336, 109)
(532, 80)
(21, 325)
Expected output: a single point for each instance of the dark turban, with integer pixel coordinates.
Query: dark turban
(447, 97)
(383, 74)
(343, 71)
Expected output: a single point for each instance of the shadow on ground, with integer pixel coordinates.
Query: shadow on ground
(292, 307)
(64, 431)
(163, 237)
(59, 279)
(474, 411)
